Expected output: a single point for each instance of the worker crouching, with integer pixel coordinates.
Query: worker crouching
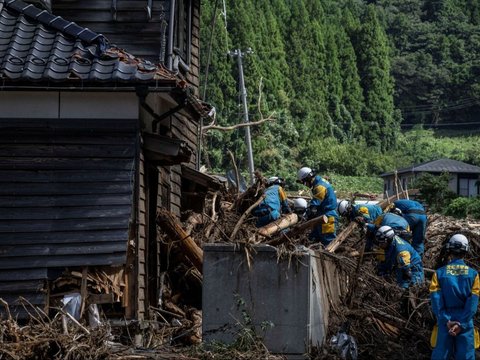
(273, 205)
(400, 257)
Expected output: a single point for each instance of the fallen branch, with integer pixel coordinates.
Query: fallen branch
(237, 174)
(241, 125)
(80, 326)
(341, 237)
(245, 214)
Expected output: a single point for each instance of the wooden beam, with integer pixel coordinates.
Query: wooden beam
(279, 224)
(341, 237)
(298, 229)
(172, 228)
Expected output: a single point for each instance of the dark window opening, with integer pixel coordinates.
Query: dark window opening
(182, 43)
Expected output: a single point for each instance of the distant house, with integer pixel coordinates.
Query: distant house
(464, 177)
(94, 140)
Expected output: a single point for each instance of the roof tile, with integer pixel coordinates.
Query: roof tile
(36, 45)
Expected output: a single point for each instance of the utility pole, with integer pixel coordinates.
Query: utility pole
(243, 92)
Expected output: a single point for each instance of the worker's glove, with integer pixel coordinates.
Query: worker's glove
(407, 274)
(454, 328)
(286, 210)
(381, 270)
(404, 234)
(312, 212)
(261, 211)
(360, 220)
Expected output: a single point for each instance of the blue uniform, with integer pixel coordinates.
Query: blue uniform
(325, 202)
(402, 257)
(454, 292)
(368, 211)
(414, 213)
(270, 208)
(396, 222)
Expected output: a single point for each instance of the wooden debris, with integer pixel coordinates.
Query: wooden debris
(170, 225)
(282, 223)
(345, 234)
(242, 218)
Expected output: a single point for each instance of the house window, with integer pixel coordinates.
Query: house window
(182, 43)
(467, 187)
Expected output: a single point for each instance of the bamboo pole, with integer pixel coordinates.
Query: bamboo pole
(341, 237)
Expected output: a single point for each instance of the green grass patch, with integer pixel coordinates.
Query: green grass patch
(344, 185)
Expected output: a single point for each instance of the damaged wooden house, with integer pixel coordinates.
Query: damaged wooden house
(94, 140)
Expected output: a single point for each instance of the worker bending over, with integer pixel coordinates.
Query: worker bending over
(399, 256)
(361, 213)
(324, 202)
(397, 223)
(414, 213)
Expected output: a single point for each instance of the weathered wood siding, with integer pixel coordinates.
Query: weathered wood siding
(132, 30)
(194, 75)
(66, 189)
(141, 243)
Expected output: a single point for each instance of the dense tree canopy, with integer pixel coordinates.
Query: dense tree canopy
(341, 77)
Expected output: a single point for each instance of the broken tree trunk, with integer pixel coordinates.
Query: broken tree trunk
(298, 229)
(172, 228)
(279, 224)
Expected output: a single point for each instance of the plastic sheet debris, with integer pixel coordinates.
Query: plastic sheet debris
(72, 304)
(345, 344)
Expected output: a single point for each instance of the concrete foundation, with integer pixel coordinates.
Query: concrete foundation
(280, 299)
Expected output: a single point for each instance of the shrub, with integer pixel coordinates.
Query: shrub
(473, 208)
(458, 207)
(434, 191)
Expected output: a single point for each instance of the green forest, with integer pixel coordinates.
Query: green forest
(355, 87)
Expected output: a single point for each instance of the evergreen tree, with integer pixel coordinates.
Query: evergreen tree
(374, 67)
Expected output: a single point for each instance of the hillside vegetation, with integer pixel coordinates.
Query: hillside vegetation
(342, 77)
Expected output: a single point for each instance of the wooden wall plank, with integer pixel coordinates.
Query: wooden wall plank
(57, 213)
(22, 237)
(9, 251)
(52, 200)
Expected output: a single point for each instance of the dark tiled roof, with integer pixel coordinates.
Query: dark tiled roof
(38, 46)
(439, 166)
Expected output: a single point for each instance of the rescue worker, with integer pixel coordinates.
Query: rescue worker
(399, 256)
(414, 213)
(274, 204)
(396, 222)
(454, 293)
(362, 213)
(324, 202)
(300, 206)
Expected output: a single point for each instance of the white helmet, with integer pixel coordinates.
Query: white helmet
(458, 244)
(343, 207)
(396, 211)
(274, 180)
(384, 234)
(300, 205)
(303, 173)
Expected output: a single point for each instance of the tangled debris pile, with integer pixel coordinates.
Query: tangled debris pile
(385, 321)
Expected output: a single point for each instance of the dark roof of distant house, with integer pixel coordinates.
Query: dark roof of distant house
(439, 166)
(37, 46)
